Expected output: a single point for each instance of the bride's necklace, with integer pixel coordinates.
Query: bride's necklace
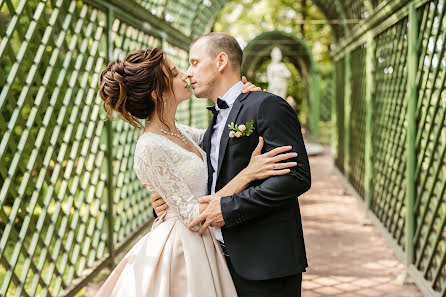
(180, 136)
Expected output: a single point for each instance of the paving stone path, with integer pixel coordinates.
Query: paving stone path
(345, 258)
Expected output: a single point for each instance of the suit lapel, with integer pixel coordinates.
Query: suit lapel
(225, 136)
(207, 148)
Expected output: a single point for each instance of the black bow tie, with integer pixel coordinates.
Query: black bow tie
(221, 105)
(213, 110)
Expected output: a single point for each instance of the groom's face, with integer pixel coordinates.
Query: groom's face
(203, 69)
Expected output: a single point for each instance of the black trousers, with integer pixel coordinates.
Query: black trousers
(289, 286)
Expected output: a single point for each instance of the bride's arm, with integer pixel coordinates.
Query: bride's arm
(260, 166)
(157, 171)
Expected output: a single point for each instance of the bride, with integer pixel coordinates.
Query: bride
(171, 260)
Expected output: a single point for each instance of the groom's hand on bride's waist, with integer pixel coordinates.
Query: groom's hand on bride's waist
(203, 207)
(209, 216)
(158, 204)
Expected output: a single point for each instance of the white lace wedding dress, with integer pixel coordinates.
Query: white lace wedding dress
(172, 260)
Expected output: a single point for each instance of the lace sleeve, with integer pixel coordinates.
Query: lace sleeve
(155, 168)
(195, 134)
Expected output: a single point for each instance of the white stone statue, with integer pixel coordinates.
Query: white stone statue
(278, 74)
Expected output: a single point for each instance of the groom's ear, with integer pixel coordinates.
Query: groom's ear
(222, 61)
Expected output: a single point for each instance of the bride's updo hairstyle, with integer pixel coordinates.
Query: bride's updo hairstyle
(134, 87)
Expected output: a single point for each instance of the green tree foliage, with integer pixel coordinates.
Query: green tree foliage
(248, 18)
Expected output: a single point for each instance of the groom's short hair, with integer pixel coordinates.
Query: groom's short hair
(218, 42)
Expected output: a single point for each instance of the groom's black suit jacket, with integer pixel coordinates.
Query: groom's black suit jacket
(263, 229)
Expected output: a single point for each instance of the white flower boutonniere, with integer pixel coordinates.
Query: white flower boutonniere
(241, 130)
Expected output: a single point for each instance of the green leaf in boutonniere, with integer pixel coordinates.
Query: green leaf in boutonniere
(241, 130)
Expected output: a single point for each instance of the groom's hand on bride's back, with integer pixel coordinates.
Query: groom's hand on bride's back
(158, 204)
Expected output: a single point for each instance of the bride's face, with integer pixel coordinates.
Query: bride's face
(180, 87)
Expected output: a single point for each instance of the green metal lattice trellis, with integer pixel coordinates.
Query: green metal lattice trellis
(401, 103)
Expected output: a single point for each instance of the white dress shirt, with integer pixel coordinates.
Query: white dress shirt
(219, 126)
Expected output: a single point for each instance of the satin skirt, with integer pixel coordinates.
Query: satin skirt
(171, 261)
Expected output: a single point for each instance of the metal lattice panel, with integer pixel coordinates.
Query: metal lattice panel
(177, 13)
(331, 12)
(389, 129)
(326, 102)
(205, 15)
(199, 118)
(430, 237)
(156, 7)
(407, 138)
(355, 9)
(52, 156)
(358, 116)
(375, 3)
(340, 86)
(325, 123)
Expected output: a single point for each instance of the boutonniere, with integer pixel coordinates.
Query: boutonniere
(241, 130)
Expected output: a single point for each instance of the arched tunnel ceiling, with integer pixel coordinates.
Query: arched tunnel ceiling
(293, 50)
(195, 17)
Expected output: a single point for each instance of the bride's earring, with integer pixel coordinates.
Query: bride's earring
(164, 101)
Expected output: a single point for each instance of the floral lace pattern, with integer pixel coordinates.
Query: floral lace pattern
(178, 175)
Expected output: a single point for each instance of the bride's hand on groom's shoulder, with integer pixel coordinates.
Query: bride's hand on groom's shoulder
(249, 87)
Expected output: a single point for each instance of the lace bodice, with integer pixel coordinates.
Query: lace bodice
(178, 175)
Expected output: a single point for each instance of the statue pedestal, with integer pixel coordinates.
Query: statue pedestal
(314, 149)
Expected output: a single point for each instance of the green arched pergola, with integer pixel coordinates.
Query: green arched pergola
(69, 199)
(294, 50)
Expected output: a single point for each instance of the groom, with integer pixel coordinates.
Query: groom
(259, 229)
